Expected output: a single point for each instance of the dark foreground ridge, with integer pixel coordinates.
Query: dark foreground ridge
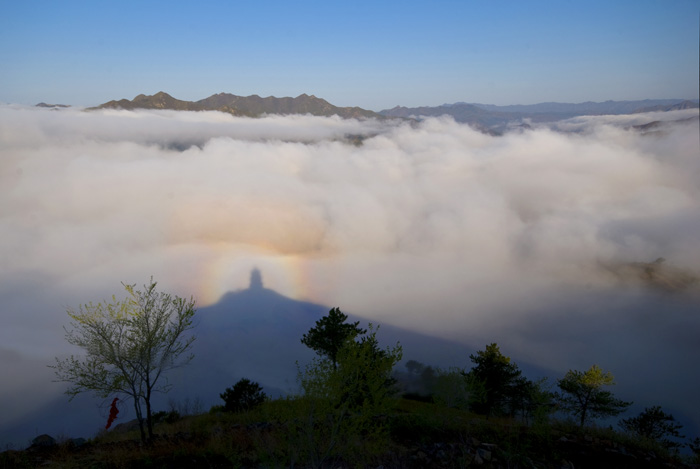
(423, 435)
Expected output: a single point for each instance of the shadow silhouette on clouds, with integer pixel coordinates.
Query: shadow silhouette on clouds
(256, 333)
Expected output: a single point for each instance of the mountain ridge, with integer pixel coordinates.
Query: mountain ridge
(493, 116)
(246, 106)
(488, 118)
(586, 107)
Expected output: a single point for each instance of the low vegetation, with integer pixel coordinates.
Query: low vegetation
(419, 435)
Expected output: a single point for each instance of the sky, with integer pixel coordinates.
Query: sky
(375, 55)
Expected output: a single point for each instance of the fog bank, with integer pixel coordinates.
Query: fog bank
(542, 240)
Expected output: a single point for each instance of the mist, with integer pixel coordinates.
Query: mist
(537, 240)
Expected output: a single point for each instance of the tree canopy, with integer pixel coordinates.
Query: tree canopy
(129, 344)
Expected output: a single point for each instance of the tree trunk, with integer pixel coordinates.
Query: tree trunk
(149, 419)
(139, 417)
(584, 401)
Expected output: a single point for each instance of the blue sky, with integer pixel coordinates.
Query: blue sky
(373, 54)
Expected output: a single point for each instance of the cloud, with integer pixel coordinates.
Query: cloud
(432, 226)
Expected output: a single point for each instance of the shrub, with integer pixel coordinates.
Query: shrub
(167, 417)
(244, 395)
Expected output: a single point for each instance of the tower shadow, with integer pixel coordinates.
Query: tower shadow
(256, 333)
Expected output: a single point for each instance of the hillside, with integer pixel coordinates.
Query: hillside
(420, 435)
(250, 106)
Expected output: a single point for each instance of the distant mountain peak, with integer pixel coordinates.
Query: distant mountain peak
(54, 106)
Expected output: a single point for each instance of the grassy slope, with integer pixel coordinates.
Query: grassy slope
(421, 435)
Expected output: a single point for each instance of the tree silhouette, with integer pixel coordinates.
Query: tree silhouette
(654, 424)
(694, 446)
(244, 395)
(582, 394)
(330, 334)
(499, 378)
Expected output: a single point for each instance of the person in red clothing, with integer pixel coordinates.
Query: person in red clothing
(113, 411)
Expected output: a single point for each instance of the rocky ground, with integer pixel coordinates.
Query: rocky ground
(186, 450)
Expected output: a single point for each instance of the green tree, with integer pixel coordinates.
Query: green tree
(244, 395)
(582, 394)
(654, 424)
(330, 334)
(498, 377)
(129, 345)
(346, 404)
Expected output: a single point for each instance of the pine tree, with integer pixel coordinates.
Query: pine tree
(330, 334)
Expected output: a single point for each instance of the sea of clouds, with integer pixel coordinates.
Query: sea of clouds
(522, 239)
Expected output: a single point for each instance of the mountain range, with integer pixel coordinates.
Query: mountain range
(248, 106)
(590, 108)
(486, 117)
(496, 118)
